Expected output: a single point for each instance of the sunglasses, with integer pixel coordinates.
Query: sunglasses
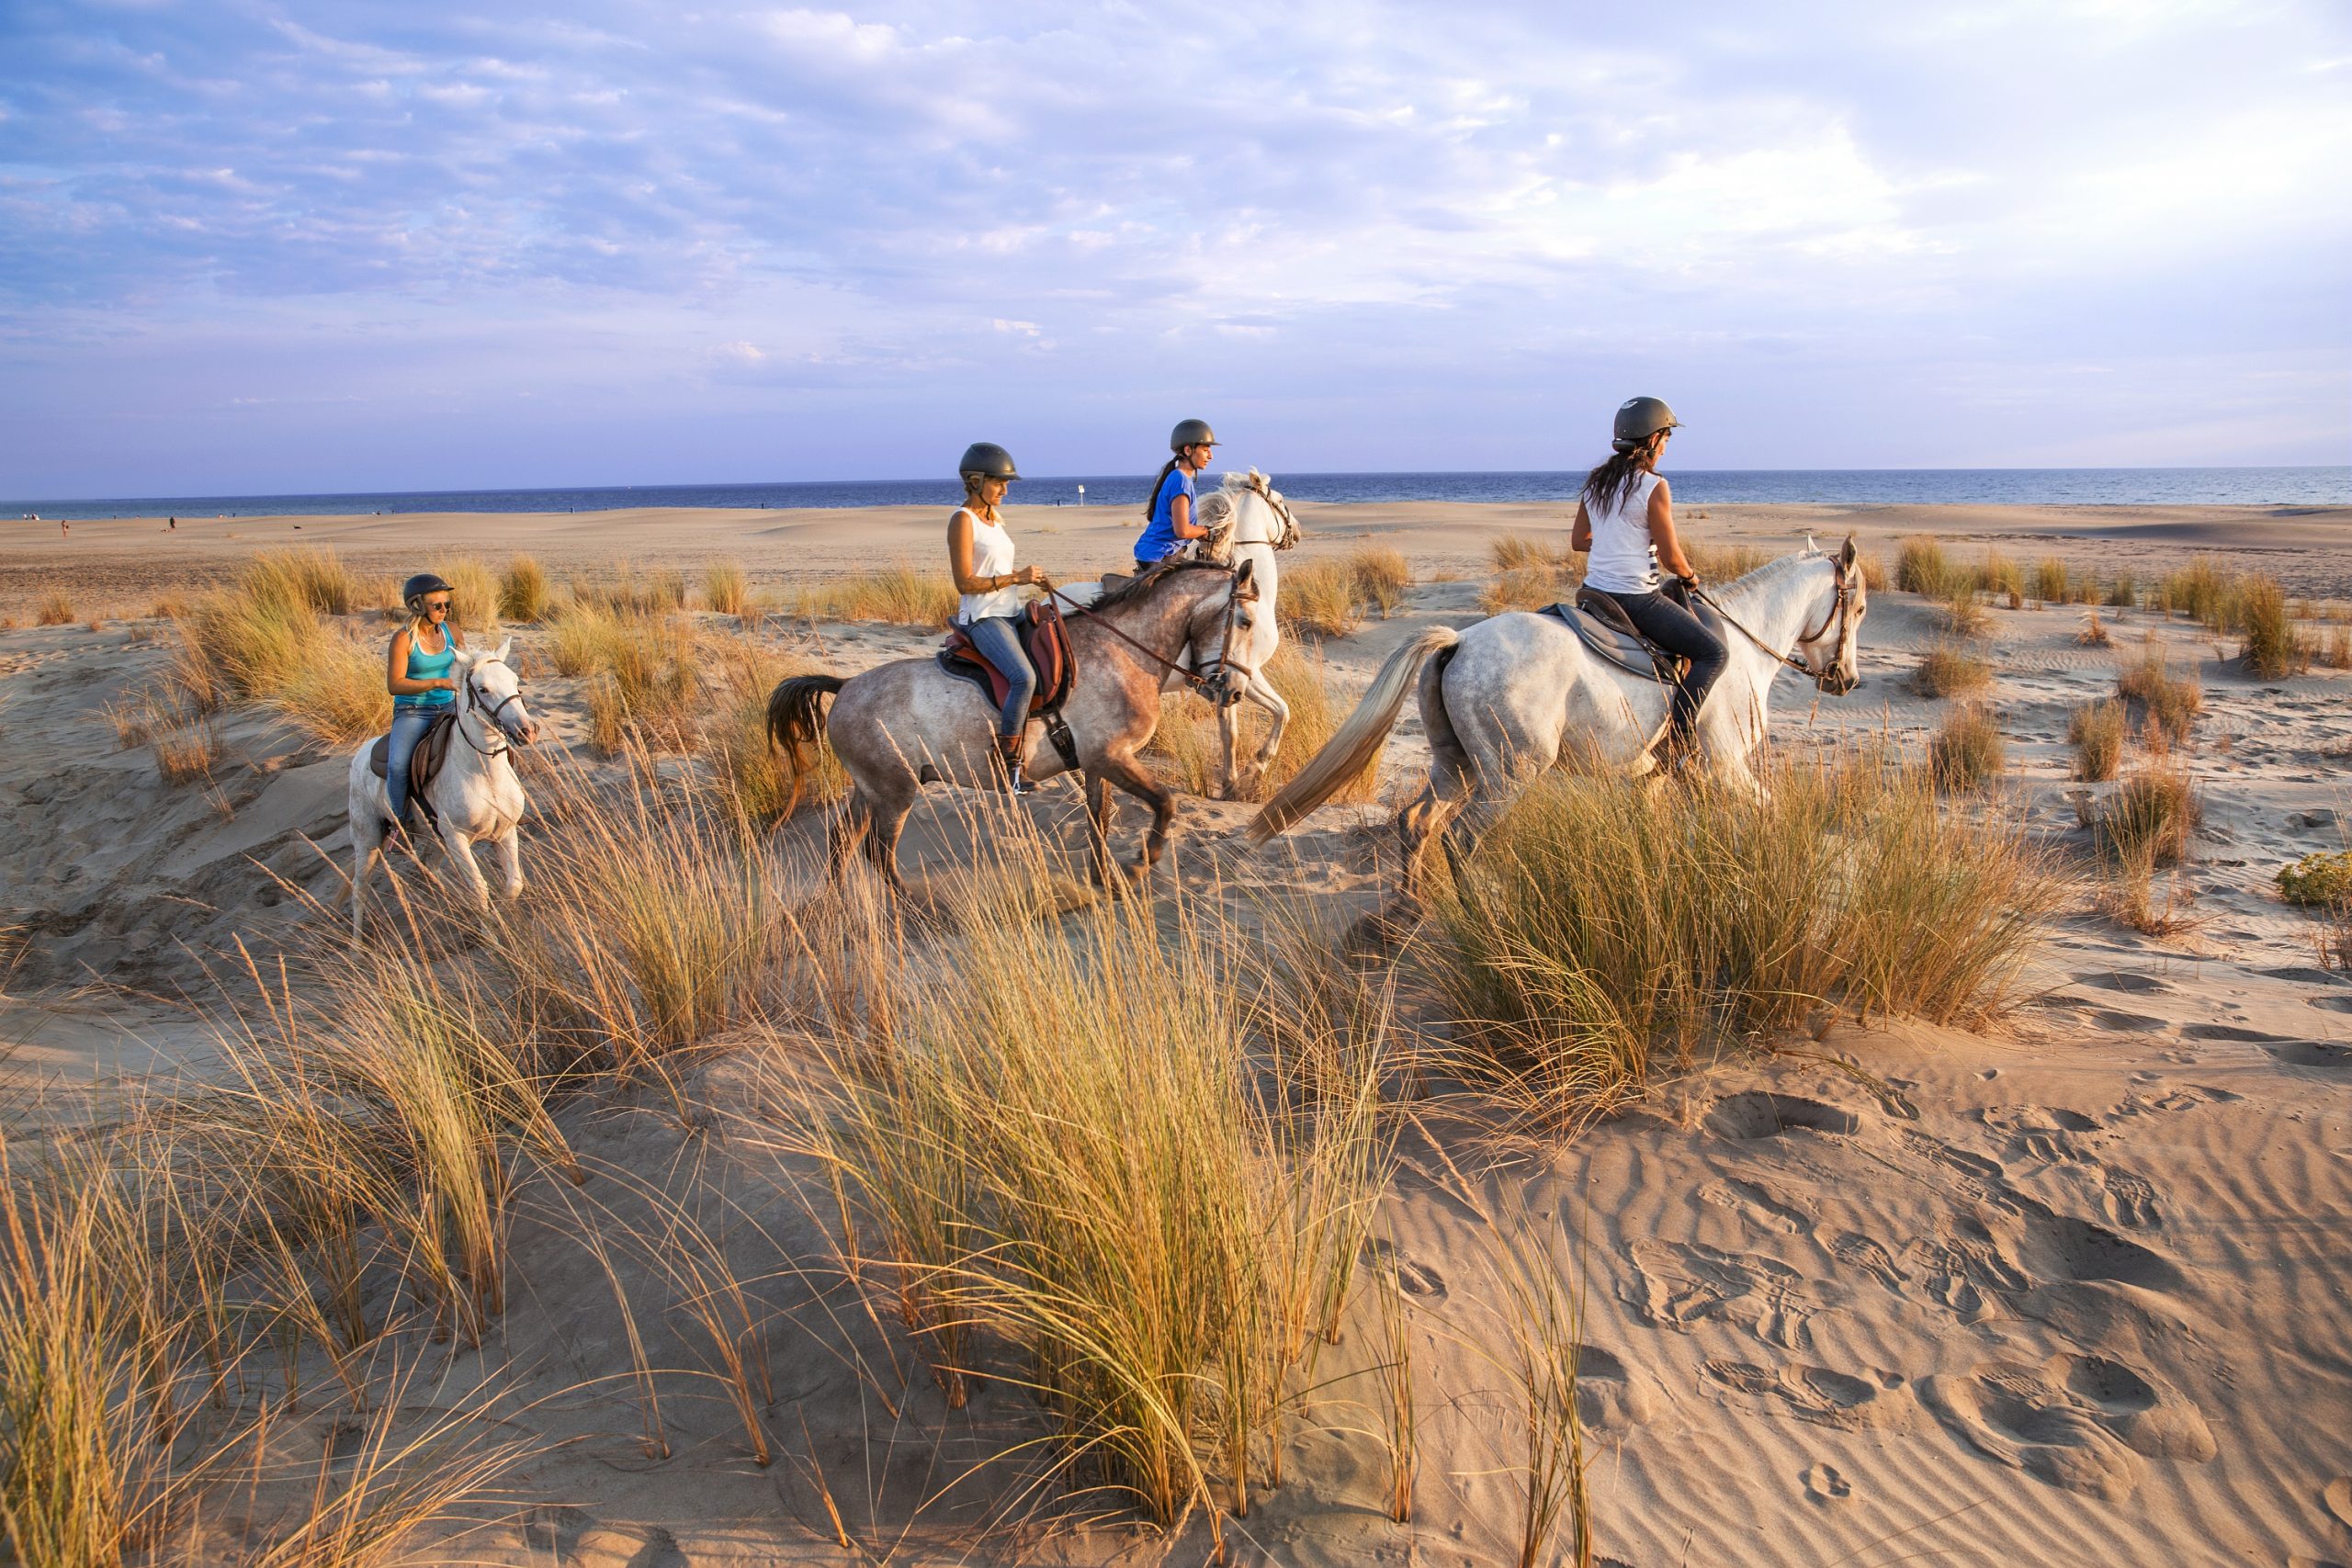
(440, 609)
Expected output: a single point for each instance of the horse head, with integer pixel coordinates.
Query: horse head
(1265, 517)
(1829, 651)
(1218, 621)
(488, 686)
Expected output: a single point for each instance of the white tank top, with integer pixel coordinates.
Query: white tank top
(991, 556)
(1624, 561)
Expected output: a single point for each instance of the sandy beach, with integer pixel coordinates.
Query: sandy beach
(2077, 1289)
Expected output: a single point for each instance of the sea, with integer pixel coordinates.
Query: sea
(2325, 486)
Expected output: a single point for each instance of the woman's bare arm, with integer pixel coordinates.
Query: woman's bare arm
(1580, 537)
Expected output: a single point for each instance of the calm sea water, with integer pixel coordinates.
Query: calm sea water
(2329, 486)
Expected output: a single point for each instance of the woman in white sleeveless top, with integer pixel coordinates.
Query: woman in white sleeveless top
(1626, 517)
(979, 557)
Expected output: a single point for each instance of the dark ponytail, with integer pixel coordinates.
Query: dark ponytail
(1151, 497)
(1608, 482)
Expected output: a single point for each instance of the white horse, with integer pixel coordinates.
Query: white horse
(1249, 520)
(1503, 698)
(474, 796)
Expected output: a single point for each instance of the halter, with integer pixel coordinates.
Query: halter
(1837, 612)
(475, 702)
(1199, 683)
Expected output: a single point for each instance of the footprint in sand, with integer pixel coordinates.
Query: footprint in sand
(2332, 1004)
(2226, 1031)
(2081, 1422)
(2129, 1201)
(2130, 981)
(1823, 1484)
(2311, 1054)
(1869, 1255)
(1755, 1205)
(1674, 1285)
(1811, 1393)
(1759, 1114)
(1607, 1395)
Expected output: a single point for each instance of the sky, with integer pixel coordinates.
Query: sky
(249, 247)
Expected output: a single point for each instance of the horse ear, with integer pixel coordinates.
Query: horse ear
(465, 658)
(504, 650)
(1246, 574)
(1810, 547)
(1846, 557)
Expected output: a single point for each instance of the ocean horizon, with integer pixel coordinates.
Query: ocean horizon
(2329, 485)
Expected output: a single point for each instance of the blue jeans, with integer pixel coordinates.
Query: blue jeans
(1677, 630)
(999, 639)
(409, 726)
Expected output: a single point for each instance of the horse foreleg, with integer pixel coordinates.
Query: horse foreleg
(1123, 772)
(1261, 692)
(510, 858)
(366, 847)
(1229, 735)
(461, 853)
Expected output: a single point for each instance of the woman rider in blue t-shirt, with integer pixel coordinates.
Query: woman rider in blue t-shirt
(1169, 525)
(417, 673)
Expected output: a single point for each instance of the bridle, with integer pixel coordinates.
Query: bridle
(477, 703)
(1210, 687)
(1836, 613)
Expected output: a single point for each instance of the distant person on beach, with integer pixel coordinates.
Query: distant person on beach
(416, 671)
(979, 558)
(1626, 517)
(174, 524)
(1167, 515)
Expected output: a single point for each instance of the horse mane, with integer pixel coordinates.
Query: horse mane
(1771, 571)
(1136, 587)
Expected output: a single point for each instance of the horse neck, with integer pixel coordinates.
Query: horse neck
(1782, 606)
(1160, 622)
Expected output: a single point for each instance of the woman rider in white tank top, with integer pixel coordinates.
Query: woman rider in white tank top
(1626, 517)
(979, 557)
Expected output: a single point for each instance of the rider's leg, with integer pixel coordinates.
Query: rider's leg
(409, 726)
(997, 638)
(1678, 631)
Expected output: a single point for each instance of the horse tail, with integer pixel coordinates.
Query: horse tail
(1355, 744)
(796, 718)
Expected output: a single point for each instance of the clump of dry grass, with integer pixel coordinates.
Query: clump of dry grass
(1189, 753)
(2050, 582)
(56, 609)
(337, 693)
(2096, 732)
(1069, 1152)
(2274, 647)
(2153, 814)
(1521, 552)
(899, 595)
(2338, 655)
(1523, 587)
(523, 592)
(1950, 669)
(315, 578)
(2094, 633)
(2122, 590)
(724, 588)
(1874, 571)
(264, 640)
(2128, 897)
(2164, 705)
(1379, 577)
(1318, 599)
(1922, 567)
(1605, 926)
(1999, 576)
(474, 593)
(1964, 615)
(185, 754)
(1724, 563)
(1967, 752)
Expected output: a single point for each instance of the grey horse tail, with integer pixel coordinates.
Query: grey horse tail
(796, 718)
(1356, 742)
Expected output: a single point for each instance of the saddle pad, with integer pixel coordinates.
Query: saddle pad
(1617, 642)
(1044, 637)
(424, 762)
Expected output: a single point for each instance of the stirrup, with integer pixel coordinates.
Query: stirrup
(1008, 759)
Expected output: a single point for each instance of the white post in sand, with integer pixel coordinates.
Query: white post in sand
(1082, 495)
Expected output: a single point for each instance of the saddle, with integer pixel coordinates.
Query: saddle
(424, 762)
(1045, 637)
(1605, 628)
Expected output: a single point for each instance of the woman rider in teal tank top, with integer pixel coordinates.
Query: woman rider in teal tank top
(417, 673)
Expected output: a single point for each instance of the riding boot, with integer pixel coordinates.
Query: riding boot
(1008, 757)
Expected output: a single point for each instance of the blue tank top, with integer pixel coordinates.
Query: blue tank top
(424, 666)
(1159, 541)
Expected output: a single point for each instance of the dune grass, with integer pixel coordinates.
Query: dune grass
(2153, 815)
(1967, 751)
(2337, 655)
(1519, 552)
(2096, 732)
(1922, 567)
(1952, 670)
(1963, 615)
(1187, 752)
(311, 577)
(2122, 590)
(1379, 577)
(1524, 588)
(1318, 599)
(2274, 647)
(268, 639)
(523, 592)
(2094, 633)
(2164, 705)
(1999, 576)
(2050, 581)
(55, 609)
(735, 738)
(897, 595)
(725, 590)
(1606, 929)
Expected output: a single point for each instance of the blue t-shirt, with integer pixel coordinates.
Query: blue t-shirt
(1159, 541)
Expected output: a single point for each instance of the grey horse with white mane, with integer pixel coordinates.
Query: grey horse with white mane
(1506, 698)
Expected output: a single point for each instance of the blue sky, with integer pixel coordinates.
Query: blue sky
(280, 247)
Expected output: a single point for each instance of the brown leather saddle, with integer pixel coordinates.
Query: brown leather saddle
(424, 762)
(1606, 630)
(1045, 637)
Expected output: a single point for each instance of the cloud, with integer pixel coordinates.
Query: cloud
(1442, 220)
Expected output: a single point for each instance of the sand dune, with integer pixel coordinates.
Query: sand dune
(2074, 1292)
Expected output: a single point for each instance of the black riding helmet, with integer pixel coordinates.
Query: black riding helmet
(1190, 433)
(417, 587)
(1638, 419)
(988, 457)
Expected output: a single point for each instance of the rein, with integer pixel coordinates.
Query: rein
(1837, 613)
(1199, 683)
